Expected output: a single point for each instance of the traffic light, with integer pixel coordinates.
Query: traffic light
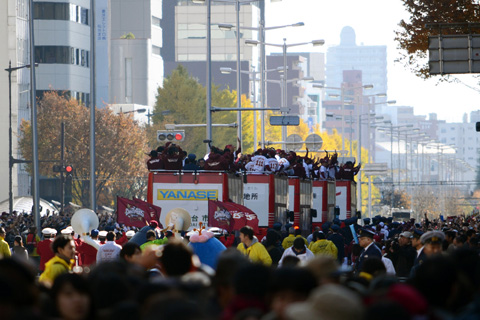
(170, 135)
(68, 169)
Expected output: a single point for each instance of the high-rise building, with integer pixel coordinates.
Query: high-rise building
(136, 64)
(62, 48)
(15, 36)
(371, 60)
(184, 27)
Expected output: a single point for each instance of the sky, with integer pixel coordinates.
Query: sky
(374, 22)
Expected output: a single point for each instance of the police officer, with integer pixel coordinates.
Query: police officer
(365, 239)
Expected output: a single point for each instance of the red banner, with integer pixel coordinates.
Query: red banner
(131, 213)
(231, 216)
(252, 219)
(153, 211)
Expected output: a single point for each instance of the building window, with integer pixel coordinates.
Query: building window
(156, 50)
(156, 21)
(61, 55)
(60, 11)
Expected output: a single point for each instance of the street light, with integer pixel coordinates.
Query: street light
(209, 66)
(342, 97)
(11, 160)
(399, 129)
(283, 88)
(261, 29)
(285, 46)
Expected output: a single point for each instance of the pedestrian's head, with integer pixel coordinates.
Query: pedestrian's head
(110, 236)
(2, 232)
(64, 246)
(18, 241)
(246, 232)
(365, 237)
(405, 238)
(72, 297)
(176, 259)
(150, 235)
(131, 252)
(433, 241)
(299, 244)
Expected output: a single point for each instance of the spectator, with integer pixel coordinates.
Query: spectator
(64, 249)
(110, 251)
(299, 250)
(4, 248)
(250, 247)
(18, 249)
(72, 297)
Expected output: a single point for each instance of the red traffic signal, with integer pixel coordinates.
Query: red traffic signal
(170, 135)
(68, 169)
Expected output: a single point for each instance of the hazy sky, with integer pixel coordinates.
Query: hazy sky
(374, 22)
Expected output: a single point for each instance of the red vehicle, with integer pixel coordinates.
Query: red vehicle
(346, 198)
(267, 196)
(323, 201)
(300, 202)
(184, 196)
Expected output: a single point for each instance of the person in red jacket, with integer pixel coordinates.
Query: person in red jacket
(44, 247)
(88, 253)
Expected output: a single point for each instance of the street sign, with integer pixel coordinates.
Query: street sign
(294, 142)
(314, 142)
(381, 166)
(449, 54)
(284, 120)
(375, 169)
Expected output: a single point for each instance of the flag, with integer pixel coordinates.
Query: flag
(152, 210)
(231, 216)
(222, 215)
(252, 219)
(130, 213)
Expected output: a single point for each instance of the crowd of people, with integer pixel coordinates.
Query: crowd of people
(268, 160)
(428, 269)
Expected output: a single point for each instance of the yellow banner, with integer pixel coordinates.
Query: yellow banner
(182, 194)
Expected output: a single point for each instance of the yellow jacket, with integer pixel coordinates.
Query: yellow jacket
(324, 247)
(256, 252)
(53, 268)
(4, 249)
(288, 241)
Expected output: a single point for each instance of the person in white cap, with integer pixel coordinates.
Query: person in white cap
(102, 237)
(405, 255)
(44, 247)
(110, 251)
(130, 234)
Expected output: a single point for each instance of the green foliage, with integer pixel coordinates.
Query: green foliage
(128, 36)
(185, 100)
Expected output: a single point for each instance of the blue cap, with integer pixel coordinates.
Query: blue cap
(335, 227)
(192, 156)
(94, 233)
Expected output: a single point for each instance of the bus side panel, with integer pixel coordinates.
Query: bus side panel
(305, 218)
(330, 200)
(318, 202)
(185, 196)
(341, 198)
(294, 199)
(281, 199)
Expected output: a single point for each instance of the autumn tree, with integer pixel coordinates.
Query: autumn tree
(400, 198)
(119, 156)
(412, 37)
